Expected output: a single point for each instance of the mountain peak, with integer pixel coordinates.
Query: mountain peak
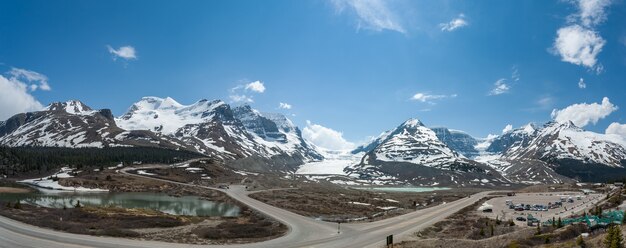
(71, 107)
(413, 122)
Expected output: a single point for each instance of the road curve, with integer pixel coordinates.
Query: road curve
(303, 231)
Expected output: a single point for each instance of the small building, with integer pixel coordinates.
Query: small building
(618, 184)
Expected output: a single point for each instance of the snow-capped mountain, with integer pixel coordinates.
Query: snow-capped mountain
(554, 153)
(458, 141)
(567, 141)
(413, 152)
(415, 143)
(216, 129)
(73, 124)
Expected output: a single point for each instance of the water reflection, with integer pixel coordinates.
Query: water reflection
(186, 205)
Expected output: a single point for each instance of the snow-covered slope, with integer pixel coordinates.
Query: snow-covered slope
(413, 152)
(216, 129)
(413, 142)
(513, 139)
(567, 141)
(73, 124)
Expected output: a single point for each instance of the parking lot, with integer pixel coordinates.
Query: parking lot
(543, 206)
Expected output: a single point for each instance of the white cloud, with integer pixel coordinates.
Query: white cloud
(428, 98)
(581, 114)
(15, 98)
(578, 45)
(616, 128)
(283, 105)
(125, 52)
(582, 84)
(500, 87)
(325, 137)
(371, 14)
(454, 24)
(592, 12)
(36, 80)
(508, 128)
(239, 92)
(256, 86)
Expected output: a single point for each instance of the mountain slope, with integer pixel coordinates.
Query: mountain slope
(241, 135)
(458, 141)
(556, 141)
(73, 124)
(413, 153)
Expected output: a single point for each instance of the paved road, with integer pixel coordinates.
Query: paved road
(303, 231)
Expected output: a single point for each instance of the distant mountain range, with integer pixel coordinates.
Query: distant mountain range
(552, 153)
(245, 138)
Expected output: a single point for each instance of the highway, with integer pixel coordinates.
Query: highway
(303, 231)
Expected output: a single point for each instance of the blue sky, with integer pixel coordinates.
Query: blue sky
(358, 67)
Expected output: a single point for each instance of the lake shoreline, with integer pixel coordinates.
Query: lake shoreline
(14, 190)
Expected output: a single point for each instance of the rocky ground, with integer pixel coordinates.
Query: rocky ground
(331, 202)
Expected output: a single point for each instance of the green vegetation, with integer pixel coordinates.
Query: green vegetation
(614, 238)
(42, 159)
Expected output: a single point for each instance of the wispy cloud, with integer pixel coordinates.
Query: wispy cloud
(592, 12)
(454, 24)
(579, 43)
(124, 52)
(581, 114)
(283, 105)
(240, 93)
(500, 87)
(545, 102)
(504, 85)
(371, 14)
(582, 84)
(515, 76)
(34, 79)
(429, 98)
(256, 86)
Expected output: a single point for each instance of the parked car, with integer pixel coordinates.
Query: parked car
(519, 208)
(520, 218)
(511, 206)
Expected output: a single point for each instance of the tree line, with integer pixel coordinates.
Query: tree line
(16, 160)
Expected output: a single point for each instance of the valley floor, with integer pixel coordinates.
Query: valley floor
(143, 224)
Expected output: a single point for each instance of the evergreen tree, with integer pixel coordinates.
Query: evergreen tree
(553, 222)
(491, 229)
(618, 238)
(482, 232)
(614, 238)
(559, 223)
